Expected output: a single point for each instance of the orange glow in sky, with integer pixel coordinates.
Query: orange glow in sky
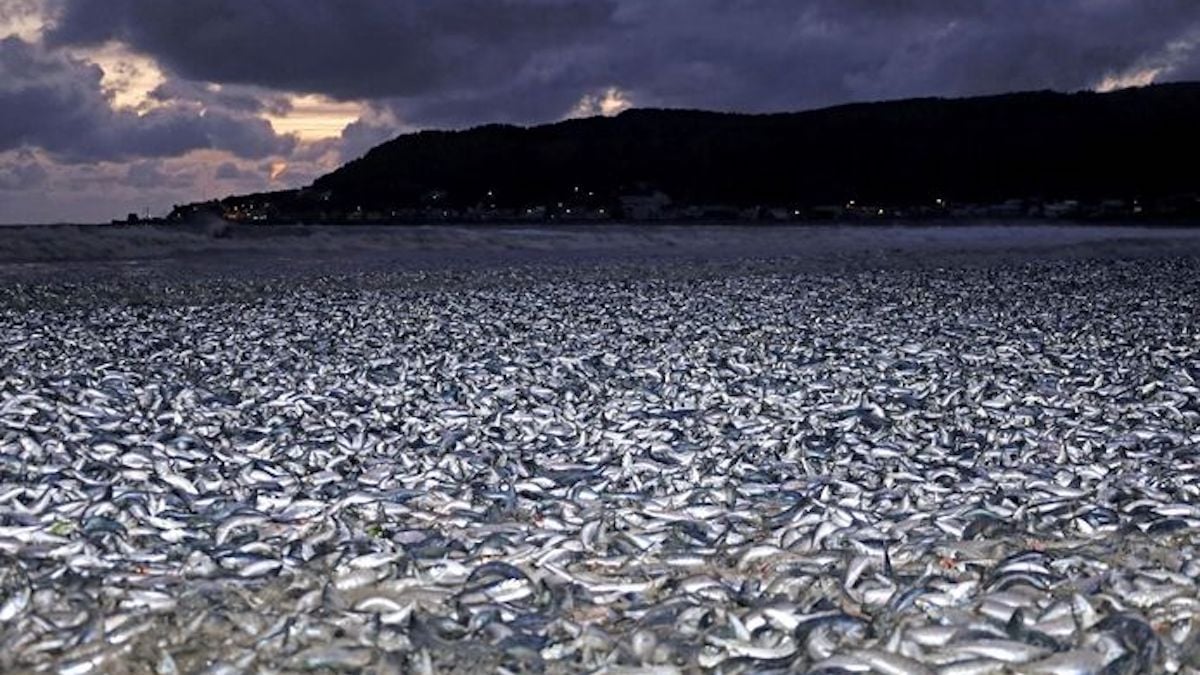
(277, 169)
(314, 117)
(130, 77)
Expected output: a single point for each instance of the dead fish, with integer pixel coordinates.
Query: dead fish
(749, 468)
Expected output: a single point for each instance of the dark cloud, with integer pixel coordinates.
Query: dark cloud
(249, 137)
(458, 62)
(775, 55)
(346, 49)
(56, 103)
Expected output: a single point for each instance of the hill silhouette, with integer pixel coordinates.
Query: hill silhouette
(1129, 144)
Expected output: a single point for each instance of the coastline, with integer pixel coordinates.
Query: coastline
(336, 249)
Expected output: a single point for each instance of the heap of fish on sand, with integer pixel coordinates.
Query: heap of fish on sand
(971, 469)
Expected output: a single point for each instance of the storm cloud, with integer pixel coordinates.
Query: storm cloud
(457, 62)
(347, 49)
(56, 103)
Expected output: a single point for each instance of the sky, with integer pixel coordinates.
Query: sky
(116, 106)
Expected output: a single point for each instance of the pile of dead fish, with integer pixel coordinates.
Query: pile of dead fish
(967, 470)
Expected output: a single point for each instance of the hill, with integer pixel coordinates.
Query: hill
(1038, 148)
